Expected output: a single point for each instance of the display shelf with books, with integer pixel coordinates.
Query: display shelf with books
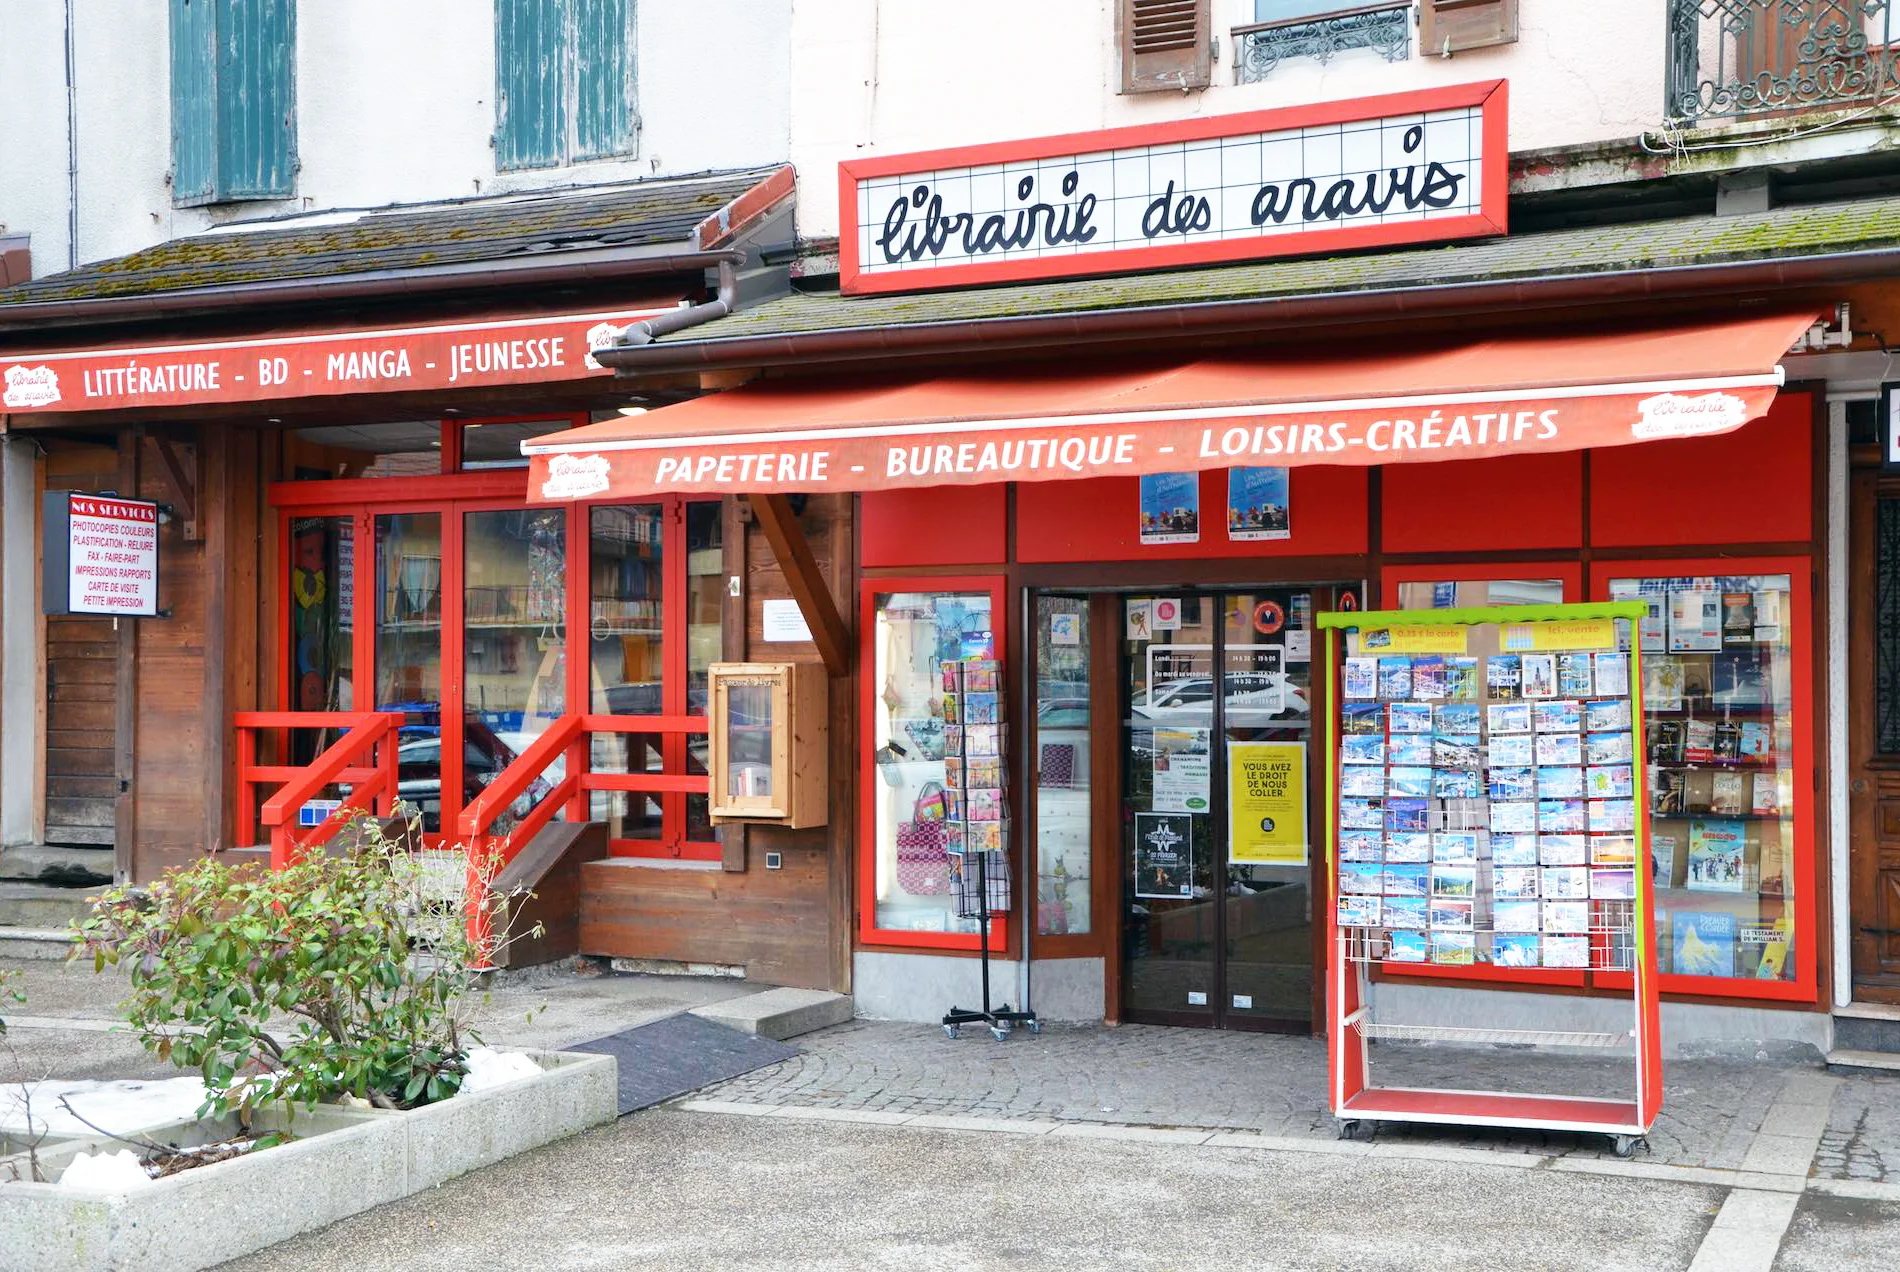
(1485, 791)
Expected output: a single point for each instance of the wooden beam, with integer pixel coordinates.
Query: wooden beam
(125, 714)
(805, 581)
(184, 491)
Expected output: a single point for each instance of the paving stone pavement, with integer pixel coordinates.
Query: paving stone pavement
(1150, 1076)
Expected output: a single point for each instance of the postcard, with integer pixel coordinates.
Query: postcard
(1405, 912)
(1574, 679)
(1540, 675)
(1458, 719)
(989, 836)
(981, 676)
(1409, 815)
(1513, 949)
(1362, 748)
(982, 708)
(986, 805)
(1395, 679)
(1608, 748)
(950, 675)
(1362, 780)
(984, 772)
(1612, 885)
(1404, 881)
(1560, 782)
(1612, 850)
(1602, 715)
(1504, 678)
(1454, 881)
(1612, 814)
(983, 739)
(1403, 947)
(1453, 948)
(1513, 817)
(1415, 782)
(1514, 883)
(1611, 781)
(1358, 911)
(1560, 748)
(1361, 814)
(1361, 845)
(1562, 716)
(1410, 717)
(1510, 750)
(1362, 717)
(1565, 883)
(1562, 816)
(1449, 912)
(953, 771)
(1361, 678)
(1456, 847)
(1361, 876)
(1461, 679)
(1566, 916)
(952, 743)
(1509, 717)
(1516, 916)
(1456, 751)
(1428, 678)
(1562, 850)
(1513, 850)
(1566, 951)
(1457, 784)
(1409, 749)
(1409, 846)
(1613, 675)
(1513, 783)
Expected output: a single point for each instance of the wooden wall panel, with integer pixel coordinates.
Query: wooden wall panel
(82, 677)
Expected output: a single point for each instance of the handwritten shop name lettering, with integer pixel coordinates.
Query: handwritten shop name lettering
(916, 227)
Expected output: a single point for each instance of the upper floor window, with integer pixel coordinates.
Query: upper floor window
(234, 100)
(565, 82)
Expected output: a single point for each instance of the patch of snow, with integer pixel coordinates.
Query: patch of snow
(105, 1172)
(489, 1068)
(121, 1107)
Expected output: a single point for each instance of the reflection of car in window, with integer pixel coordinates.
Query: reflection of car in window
(1252, 697)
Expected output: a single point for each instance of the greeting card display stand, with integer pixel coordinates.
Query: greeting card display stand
(1001, 1019)
(1487, 804)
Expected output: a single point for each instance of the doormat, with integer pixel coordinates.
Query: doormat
(679, 1054)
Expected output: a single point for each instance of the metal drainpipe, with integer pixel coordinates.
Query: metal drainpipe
(72, 144)
(645, 333)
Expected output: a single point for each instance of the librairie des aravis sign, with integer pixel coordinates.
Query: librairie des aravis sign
(1407, 168)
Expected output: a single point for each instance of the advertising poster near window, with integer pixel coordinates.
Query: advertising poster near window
(1258, 505)
(1164, 856)
(1266, 803)
(1171, 508)
(1182, 773)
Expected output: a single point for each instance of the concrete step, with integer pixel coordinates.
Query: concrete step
(39, 905)
(1879, 1060)
(56, 864)
(1866, 1032)
(35, 944)
(779, 1013)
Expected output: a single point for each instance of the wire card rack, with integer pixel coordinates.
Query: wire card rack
(1484, 794)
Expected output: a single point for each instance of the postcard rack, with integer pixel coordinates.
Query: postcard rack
(1485, 795)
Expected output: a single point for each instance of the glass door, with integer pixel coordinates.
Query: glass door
(1217, 898)
(408, 652)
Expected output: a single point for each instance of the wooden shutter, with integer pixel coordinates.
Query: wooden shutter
(605, 120)
(530, 83)
(233, 91)
(1451, 26)
(194, 85)
(1165, 44)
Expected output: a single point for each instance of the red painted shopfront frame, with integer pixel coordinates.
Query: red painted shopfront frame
(1492, 219)
(1003, 940)
(451, 495)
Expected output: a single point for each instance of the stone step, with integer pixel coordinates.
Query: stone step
(1880, 1060)
(56, 864)
(779, 1013)
(39, 905)
(44, 945)
(1858, 1032)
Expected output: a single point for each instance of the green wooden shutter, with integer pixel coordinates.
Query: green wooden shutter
(530, 83)
(234, 111)
(605, 122)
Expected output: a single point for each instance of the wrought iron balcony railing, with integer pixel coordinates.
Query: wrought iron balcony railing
(1733, 59)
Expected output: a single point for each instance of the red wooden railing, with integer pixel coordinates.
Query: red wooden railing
(364, 758)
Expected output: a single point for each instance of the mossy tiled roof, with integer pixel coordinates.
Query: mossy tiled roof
(1653, 245)
(509, 227)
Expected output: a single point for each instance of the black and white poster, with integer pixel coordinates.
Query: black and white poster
(1164, 855)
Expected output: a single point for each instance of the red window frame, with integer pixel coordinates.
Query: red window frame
(1003, 926)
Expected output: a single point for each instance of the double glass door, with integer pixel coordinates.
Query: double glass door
(1217, 826)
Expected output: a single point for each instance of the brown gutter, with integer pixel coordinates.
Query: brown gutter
(1264, 313)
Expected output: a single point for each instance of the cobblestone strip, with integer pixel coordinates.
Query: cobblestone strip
(1791, 1131)
(1747, 1232)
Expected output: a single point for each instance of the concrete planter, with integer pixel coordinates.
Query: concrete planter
(351, 1161)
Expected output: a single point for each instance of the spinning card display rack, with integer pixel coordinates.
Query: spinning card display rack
(1000, 1019)
(1487, 805)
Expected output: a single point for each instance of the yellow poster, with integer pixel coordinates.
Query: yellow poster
(1266, 803)
(1415, 639)
(1583, 633)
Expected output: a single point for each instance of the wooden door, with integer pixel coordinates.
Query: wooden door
(82, 665)
(1874, 735)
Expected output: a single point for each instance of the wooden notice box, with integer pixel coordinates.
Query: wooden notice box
(768, 734)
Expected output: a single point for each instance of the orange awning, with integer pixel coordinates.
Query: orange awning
(1333, 404)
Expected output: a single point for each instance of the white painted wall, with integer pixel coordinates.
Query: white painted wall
(890, 76)
(395, 104)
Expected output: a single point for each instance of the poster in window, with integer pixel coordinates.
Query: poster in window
(1266, 803)
(1171, 508)
(1164, 855)
(1181, 770)
(1258, 504)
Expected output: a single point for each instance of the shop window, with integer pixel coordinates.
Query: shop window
(322, 622)
(1725, 740)
(407, 448)
(1480, 593)
(566, 82)
(233, 100)
(1061, 766)
(497, 443)
(1319, 29)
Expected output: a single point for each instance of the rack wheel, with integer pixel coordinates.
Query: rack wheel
(1035, 1026)
(950, 1031)
(1625, 1145)
(998, 1032)
(1348, 1129)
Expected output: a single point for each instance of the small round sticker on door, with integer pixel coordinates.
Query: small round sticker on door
(1167, 614)
(1268, 617)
